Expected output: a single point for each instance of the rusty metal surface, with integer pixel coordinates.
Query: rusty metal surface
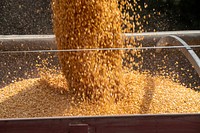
(164, 123)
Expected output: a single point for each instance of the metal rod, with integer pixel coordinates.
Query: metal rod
(100, 49)
(146, 34)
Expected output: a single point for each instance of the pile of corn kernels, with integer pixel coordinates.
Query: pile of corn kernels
(49, 96)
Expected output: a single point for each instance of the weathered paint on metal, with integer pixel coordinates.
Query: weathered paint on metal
(166, 123)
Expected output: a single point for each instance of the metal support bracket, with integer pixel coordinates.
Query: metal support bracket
(187, 50)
